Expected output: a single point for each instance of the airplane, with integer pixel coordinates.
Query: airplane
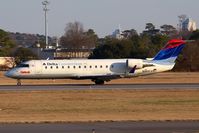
(98, 70)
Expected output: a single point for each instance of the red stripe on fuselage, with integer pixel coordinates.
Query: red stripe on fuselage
(25, 72)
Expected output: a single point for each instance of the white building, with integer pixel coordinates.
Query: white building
(117, 34)
(189, 25)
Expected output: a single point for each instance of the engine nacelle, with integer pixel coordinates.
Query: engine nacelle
(131, 63)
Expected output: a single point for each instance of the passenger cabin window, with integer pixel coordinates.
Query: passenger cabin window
(51, 67)
(106, 66)
(23, 65)
(57, 67)
(101, 66)
(46, 67)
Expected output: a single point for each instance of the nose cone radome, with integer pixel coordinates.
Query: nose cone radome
(9, 74)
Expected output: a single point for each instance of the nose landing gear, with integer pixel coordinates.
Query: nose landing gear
(18, 82)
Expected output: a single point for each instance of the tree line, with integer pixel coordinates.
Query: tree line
(8, 48)
(133, 45)
(147, 45)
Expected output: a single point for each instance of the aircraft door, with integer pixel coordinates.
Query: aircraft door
(38, 67)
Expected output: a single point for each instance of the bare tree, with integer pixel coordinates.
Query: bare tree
(76, 38)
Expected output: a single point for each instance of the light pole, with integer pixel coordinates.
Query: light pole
(38, 49)
(45, 4)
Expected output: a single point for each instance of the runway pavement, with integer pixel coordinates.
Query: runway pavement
(108, 86)
(104, 127)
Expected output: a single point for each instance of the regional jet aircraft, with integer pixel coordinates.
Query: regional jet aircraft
(99, 71)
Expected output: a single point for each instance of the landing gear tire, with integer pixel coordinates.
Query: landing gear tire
(18, 82)
(99, 82)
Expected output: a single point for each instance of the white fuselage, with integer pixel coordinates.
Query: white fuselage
(99, 70)
(87, 69)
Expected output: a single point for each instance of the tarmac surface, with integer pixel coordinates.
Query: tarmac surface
(99, 87)
(104, 127)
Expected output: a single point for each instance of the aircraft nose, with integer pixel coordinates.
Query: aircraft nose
(9, 74)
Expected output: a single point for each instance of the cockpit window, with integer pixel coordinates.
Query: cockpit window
(23, 65)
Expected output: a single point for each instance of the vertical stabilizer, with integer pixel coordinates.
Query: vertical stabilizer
(171, 50)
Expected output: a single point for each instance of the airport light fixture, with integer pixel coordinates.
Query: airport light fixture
(46, 9)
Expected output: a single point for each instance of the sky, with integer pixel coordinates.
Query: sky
(104, 16)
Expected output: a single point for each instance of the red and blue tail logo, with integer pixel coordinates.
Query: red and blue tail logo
(171, 50)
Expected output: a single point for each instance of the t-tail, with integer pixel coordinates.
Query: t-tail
(171, 51)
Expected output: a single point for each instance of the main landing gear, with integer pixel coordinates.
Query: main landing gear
(99, 81)
(18, 82)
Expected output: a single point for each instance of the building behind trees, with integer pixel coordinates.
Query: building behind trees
(186, 24)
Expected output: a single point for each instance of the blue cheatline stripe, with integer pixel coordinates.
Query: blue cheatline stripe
(168, 53)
